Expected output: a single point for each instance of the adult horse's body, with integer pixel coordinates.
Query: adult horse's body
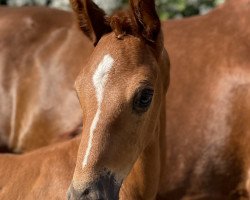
(38, 67)
(208, 108)
(207, 151)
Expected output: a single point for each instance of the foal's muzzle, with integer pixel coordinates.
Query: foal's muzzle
(104, 188)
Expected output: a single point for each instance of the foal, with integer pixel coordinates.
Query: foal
(122, 92)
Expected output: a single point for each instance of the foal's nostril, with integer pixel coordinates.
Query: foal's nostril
(105, 187)
(91, 194)
(86, 192)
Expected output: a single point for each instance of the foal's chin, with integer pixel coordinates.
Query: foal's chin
(105, 187)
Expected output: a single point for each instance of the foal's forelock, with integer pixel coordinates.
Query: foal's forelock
(99, 79)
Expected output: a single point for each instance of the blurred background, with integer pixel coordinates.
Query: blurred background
(167, 9)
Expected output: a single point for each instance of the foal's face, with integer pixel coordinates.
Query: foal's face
(121, 90)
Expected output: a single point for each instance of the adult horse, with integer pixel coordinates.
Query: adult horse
(38, 65)
(207, 153)
(208, 110)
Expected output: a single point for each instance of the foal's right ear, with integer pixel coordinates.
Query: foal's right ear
(91, 19)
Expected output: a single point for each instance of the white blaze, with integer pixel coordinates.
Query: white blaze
(99, 79)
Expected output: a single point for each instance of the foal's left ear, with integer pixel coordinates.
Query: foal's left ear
(92, 19)
(147, 18)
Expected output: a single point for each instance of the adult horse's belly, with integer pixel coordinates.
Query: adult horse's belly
(39, 62)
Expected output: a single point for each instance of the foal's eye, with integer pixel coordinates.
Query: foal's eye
(142, 100)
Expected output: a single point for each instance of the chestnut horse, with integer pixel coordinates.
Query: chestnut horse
(122, 91)
(206, 154)
(38, 67)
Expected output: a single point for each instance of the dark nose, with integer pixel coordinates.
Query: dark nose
(104, 188)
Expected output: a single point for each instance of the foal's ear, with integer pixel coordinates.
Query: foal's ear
(147, 18)
(91, 19)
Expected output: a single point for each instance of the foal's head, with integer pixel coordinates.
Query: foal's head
(121, 89)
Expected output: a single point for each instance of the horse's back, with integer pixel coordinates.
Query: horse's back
(38, 66)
